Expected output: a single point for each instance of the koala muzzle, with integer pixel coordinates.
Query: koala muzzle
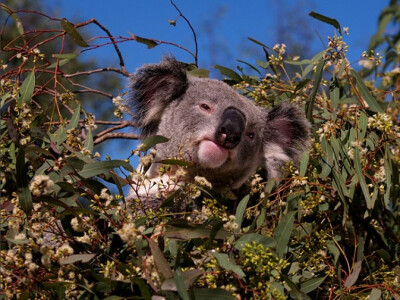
(231, 128)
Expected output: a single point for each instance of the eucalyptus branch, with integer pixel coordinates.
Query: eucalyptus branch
(123, 124)
(107, 69)
(191, 28)
(116, 135)
(111, 37)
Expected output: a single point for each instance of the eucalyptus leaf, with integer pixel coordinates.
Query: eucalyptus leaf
(227, 264)
(150, 43)
(73, 33)
(27, 88)
(312, 284)
(326, 20)
(229, 72)
(267, 242)
(151, 141)
(240, 210)
(24, 193)
(366, 94)
(178, 279)
(84, 258)
(282, 233)
(353, 276)
(194, 233)
(159, 260)
(103, 167)
(208, 294)
(375, 294)
(361, 178)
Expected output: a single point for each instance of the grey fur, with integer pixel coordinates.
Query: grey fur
(170, 103)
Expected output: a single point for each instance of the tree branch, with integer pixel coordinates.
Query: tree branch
(191, 28)
(116, 135)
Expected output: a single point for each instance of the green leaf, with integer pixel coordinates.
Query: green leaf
(188, 277)
(229, 72)
(269, 186)
(267, 242)
(388, 176)
(180, 285)
(154, 140)
(283, 232)
(375, 294)
(89, 140)
(311, 284)
(295, 293)
(65, 55)
(327, 160)
(334, 250)
(84, 258)
(353, 276)
(326, 20)
(73, 33)
(27, 88)
(14, 16)
(200, 73)
(317, 81)
(304, 163)
(59, 63)
(18, 242)
(334, 92)
(150, 43)
(227, 264)
(257, 42)
(251, 66)
(143, 287)
(159, 260)
(175, 162)
(103, 167)
(366, 94)
(240, 210)
(361, 178)
(193, 232)
(74, 119)
(208, 294)
(24, 193)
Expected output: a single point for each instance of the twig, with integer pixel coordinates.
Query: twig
(111, 129)
(107, 69)
(121, 60)
(100, 122)
(116, 135)
(192, 29)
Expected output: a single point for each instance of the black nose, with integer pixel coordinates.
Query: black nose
(230, 129)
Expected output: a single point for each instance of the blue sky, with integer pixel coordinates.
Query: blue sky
(222, 26)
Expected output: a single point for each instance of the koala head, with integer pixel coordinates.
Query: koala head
(222, 133)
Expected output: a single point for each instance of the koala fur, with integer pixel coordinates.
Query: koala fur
(224, 135)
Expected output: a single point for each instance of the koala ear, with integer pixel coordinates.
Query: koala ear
(286, 137)
(153, 87)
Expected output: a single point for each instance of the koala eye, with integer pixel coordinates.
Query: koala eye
(251, 135)
(205, 107)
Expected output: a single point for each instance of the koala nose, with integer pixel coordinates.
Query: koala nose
(230, 129)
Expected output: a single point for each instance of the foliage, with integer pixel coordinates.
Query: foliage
(329, 230)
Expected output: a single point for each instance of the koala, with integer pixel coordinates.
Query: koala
(224, 135)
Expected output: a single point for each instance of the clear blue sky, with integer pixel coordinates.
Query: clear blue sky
(222, 26)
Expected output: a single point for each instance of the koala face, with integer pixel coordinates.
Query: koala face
(223, 134)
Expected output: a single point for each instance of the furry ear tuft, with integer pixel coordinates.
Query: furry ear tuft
(153, 87)
(286, 137)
